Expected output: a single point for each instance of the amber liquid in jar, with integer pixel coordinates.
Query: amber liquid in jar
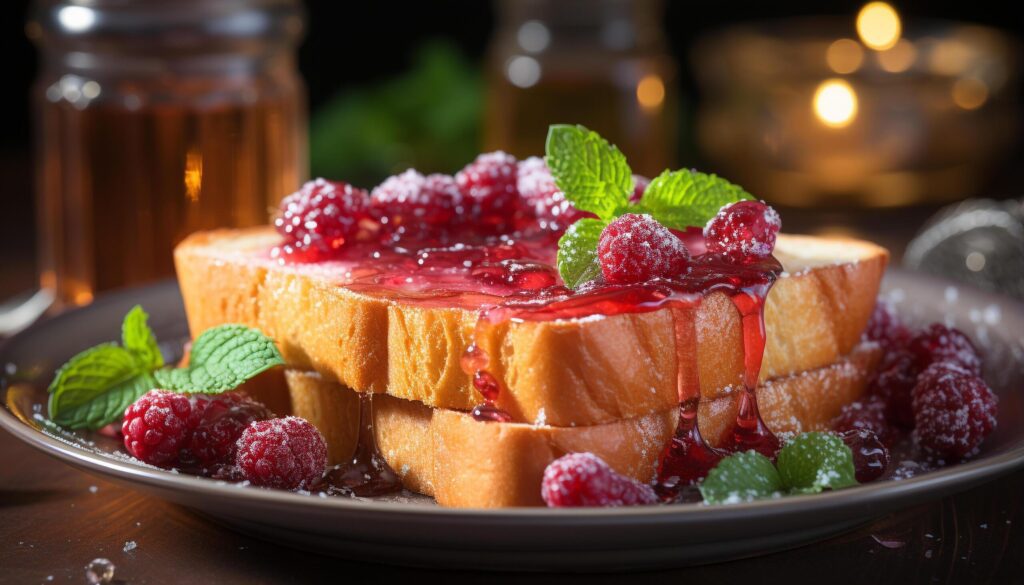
(149, 140)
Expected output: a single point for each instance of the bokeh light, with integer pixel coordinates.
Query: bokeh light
(879, 25)
(835, 103)
(844, 56)
(650, 92)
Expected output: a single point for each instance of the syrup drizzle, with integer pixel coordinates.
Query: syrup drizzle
(367, 474)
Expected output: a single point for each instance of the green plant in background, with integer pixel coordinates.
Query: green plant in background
(428, 118)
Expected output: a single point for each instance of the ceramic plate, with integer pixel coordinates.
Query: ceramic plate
(412, 530)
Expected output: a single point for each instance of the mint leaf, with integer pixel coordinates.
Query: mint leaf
(685, 198)
(593, 174)
(88, 376)
(577, 252)
(108, 406)
(811, 462)
(741, 477)
(137, 337)
(222, 358)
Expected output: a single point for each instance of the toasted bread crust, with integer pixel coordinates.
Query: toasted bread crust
(568, 372)
(465, 463)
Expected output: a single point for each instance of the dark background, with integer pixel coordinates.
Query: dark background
(351, 44)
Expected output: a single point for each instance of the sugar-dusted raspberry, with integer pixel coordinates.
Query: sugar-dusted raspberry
(583, 479)
(322, 215)
(640, 184)
(411, 198)
(224, 419)
(542, 197)
(159, 424)
(488, 185)
(886, 328)
(938, 343)
(954, 411)
(743, 231)
(870, 454)
(893, 382)
(636, 248)
(869, 414)
(286, 453)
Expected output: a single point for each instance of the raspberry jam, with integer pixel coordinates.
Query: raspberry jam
(508, 278)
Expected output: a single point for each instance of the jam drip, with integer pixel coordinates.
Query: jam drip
(750, 431)
(687, 457)
(474, 363)
(367, 474)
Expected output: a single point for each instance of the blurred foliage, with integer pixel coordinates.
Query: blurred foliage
(428, 118)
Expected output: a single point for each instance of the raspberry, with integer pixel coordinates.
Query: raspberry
(158, 424)
(870, 455)
(322, 214)
(743, 231)
(636, 248)
(954, 410)
(583, 479)
(223, 421)
(540, 195)
(489, 187)
(412, 198)
(869, 414)
(893, 382)
(285, 453)
(886, 328)
(640, 184)
(938, 343)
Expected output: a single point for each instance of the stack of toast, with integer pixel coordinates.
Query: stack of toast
(603, 384)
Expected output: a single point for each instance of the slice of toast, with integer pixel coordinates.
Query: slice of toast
(465, 463)
(578, 372)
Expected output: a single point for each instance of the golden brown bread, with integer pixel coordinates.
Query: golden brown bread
(466, 463)
(571, 372)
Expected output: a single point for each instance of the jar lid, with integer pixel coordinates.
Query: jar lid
(185, 25)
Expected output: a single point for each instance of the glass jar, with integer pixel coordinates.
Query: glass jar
(156, 118)
(603, 64)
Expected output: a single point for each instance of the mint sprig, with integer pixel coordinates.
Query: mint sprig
(808, 463)
(577, 252)
(138, 338)
(595, 177)
(811, 462)
(741, 477)
(592, 173)
(221, 359)
(95, 386)
(684, 198)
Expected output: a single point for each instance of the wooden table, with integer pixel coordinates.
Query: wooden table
(54, 520)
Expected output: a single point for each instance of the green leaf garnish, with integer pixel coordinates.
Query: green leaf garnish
(595, 177)
(741, 477)
(577, 252)
(221, 359)
(685, 198)
(593, 174)
(811, 462)
(86, 377)
(137, 337)
(95, 386)
(107, 406)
